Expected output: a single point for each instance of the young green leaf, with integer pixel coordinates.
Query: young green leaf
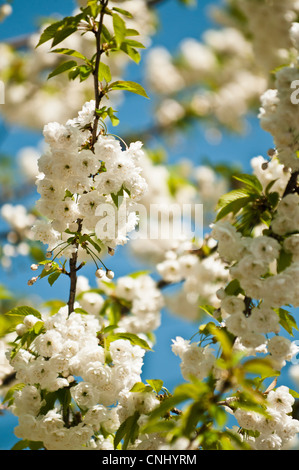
(104, 72)
(133, 87)
(23, 311)
(284, 260)
(156, 385)
(119, 27)
(123, 12)
(49, 33)
(233, 207)
(63, 68)
(70, 52)
(251, 182)
(53, 277)
(128, 431)
(140, 387)
(286, 320)
(134, 339)
(131, 52)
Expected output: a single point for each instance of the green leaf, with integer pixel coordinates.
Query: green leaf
(133, 43)
(273, 199)
(251, 182)
(132, 32)
(156, 385)
(119, 27)
(94, 244)
(134, 339)
(113, 312)
(231, 197)
(83, 71)
(133, 87)
(140, 387)
(131, 52)
(106, 34)
(117, 198)
(294, 393)
(81, 311)
(209, 309)
(114, 120)
(269, 186)
(261, 367)
(286, 320)
(138, 274)
(63, 34)
(48, 402)
(128, 431)
(35, 445)
(284, 260)
(38, 327)
(49, 32)
(70, 52)
(104, 72)
(21, 445)
(123, 12)
(168, 404)
(63, 68)
(9, 397)
(233, 207)
(233, 288)
(23, 311)
(53, 277)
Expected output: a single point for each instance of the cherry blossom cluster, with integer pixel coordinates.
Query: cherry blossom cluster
(141, 297)
(276, 430)
(79, 183)
(67, 357)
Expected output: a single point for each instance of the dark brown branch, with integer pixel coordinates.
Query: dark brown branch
(292, 185)
(73, 272)
(98, 94)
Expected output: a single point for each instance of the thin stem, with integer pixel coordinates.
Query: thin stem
(96, 256)
(98, 94)
(92, 257)
(73, 272)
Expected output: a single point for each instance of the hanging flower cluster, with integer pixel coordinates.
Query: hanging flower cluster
(96, 187)
(75, 391)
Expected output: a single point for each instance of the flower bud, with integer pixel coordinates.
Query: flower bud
(32, 281)
(21, 329)
(110, 274)
(271, 152)
(100, 273)
(30, 320)
(265, 165)
(34, 267)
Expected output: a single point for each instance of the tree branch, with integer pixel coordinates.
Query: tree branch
(292, 186)
(73, 273)
(98, 94)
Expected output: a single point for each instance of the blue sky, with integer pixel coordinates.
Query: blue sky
(177, 22)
